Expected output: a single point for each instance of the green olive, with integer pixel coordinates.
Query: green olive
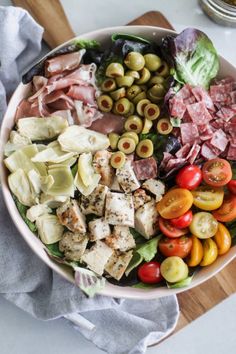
(126, 145)
(108, 85)
(133, 91)
(152, 62)
(164, 70)
(151, 111)
(125, 81)
(131, 110)
(164, 126)
(147, 125)
(118, 159)
(122, 106)
(152, 98)
(133, 73)
(158, 90)
(132, 135)
(143, 87)
(144, 148)
(105, 103)
(141, 105)
(156, 80)
(134, 124)
(145, 76)
(117, 94)
(115, 70)
(139, 97)
(113, 138)
(134, 61)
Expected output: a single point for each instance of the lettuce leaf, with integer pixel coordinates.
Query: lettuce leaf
(149, 249)
(193, 56)
(88, 282)
(180, 284)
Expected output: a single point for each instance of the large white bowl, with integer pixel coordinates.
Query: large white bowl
(103, 35)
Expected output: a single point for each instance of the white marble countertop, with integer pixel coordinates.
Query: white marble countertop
(19, 333)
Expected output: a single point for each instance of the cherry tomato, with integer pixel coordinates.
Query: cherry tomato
(179, 247)
(149, 272)
(196, 254)
(207, 197)
(175, 203)
(217, 172)
(210, 252)
(222, 239)
(173, 269)
(189, 177)
(204, 225)
(232, 186)
(169, 230)
(183, 221)
(227, 211)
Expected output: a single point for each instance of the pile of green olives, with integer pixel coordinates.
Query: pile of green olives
(134, 89)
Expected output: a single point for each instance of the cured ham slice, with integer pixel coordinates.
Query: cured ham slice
(63, 63)
(85, 115)
(82, 93)
(145, 168)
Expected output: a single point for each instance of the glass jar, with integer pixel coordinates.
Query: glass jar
(220, 11)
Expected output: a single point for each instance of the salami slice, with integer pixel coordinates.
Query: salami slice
(202, 95)
(184, 92)
(199, 113)
(193, 153)
(189, 133)
(145, 168)
(183, 152)
(219, 140)
(226, 113)
(207, 152)
(177, 107)
(231, 155)
(166, 157)
(174, 164)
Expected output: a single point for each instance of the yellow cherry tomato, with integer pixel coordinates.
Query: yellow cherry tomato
(203, 225)
(222, 239)
(175, 203)
(196, 253)
(207, 197)
(210, 252)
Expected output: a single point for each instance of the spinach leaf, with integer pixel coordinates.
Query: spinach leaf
(54, 251)
(137, 236)
(193, 56)
(22, 210)
(146, 286)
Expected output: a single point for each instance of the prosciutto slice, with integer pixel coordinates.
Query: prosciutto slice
(85, 115)
(82, 93)
(63, 63)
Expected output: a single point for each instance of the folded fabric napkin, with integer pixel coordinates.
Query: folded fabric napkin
(25, 280)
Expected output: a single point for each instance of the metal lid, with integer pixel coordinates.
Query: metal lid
(220, 11)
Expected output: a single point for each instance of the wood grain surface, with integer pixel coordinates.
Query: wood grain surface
(194, 302)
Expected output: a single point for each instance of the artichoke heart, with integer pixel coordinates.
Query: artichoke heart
(20, 186)
(53, 201)
(16, 138)
(78, 139)
(37, 210)
(53, 154)
(41, 128)
(63, 181)
(85, 168)
(49, 229)
(89, 189)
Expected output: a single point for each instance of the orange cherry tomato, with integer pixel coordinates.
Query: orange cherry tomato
(196, 254)
(222, 239)
(227, 211)
(175, 203)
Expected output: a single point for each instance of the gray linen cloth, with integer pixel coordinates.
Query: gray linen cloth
(122, 326)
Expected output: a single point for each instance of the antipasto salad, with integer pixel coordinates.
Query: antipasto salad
(121, 159)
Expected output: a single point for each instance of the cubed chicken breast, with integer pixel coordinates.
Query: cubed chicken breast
(117, 264)
(146, 219)
(115, 187)
(97, 256)
(127, 178)
(95, 202)
(99, 229)
(155, 187)
(121, 239)
(73, 245)
(119, 209)
(101, 164)
(140, 197)
(69, 215)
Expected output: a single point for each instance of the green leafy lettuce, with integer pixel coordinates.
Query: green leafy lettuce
(22, 210)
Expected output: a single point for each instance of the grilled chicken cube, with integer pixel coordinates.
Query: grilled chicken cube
(127, 178)
(155, 187)
(101, 164)
(69, 215)
(95, 202)
(146, 219)
(140, 197)
(97, 256)
(73, 245)
(121, 239)
(99, 229)
(119, 209)
(115, 187)
(117, 264)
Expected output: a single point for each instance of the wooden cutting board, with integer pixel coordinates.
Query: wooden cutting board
(194, 302)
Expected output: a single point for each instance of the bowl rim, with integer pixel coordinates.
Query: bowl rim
(110, 289)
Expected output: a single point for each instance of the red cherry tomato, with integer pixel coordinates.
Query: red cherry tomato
(169, 230)
(189, 177)
(179, 247)
(217, 172)
(232, 186)
(183, 221)
(150, 272)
